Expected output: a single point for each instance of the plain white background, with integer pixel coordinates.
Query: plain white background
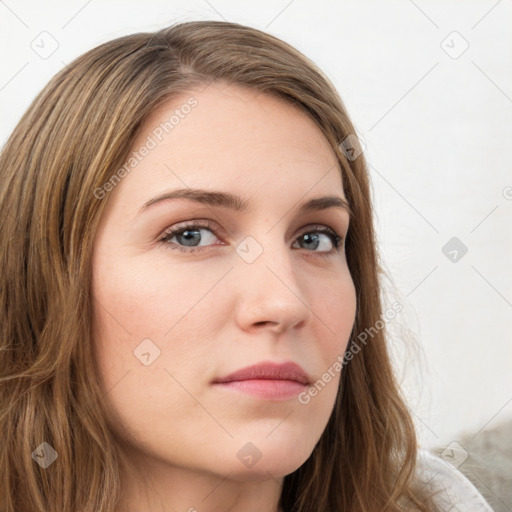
(428, 85)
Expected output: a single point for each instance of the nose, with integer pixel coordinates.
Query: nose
(270, 296)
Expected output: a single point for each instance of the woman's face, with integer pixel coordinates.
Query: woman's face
(263, 284)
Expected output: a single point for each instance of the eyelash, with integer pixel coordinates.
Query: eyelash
(205, 224)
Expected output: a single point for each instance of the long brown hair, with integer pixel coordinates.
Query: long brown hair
(72, 139)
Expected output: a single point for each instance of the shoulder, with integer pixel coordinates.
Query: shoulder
(453, 491)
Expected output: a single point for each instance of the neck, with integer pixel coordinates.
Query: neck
(167, 488)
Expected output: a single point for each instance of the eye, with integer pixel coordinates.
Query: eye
(188, 238)
(189, 235)
(320, 236)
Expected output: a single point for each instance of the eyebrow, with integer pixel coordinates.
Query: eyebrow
(236, 203)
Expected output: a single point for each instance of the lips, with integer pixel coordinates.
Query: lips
(268, 371)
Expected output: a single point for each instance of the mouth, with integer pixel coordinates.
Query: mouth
(267, 380)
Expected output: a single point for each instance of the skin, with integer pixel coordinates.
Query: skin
(210, 312)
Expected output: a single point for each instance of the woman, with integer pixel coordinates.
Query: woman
(226, 373)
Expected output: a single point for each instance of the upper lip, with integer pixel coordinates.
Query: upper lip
(269, 371)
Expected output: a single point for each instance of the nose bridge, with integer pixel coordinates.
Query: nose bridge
(268, 256)
(268, 288)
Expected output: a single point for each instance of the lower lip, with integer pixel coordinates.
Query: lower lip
(266, 388)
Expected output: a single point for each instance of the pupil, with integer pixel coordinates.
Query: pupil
(308, 238)
(189, 235)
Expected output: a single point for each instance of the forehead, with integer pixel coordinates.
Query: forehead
(228, 137)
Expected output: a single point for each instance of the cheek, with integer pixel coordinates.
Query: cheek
(334, 307)
(141, 300)
(136, 301)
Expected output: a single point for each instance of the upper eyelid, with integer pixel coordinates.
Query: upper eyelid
(340, 220)
(207, 224)
(203, 224)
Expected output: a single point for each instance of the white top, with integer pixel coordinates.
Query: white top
(457, 493)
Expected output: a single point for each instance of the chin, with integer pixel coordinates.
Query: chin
(266, 470)
(266, 459)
